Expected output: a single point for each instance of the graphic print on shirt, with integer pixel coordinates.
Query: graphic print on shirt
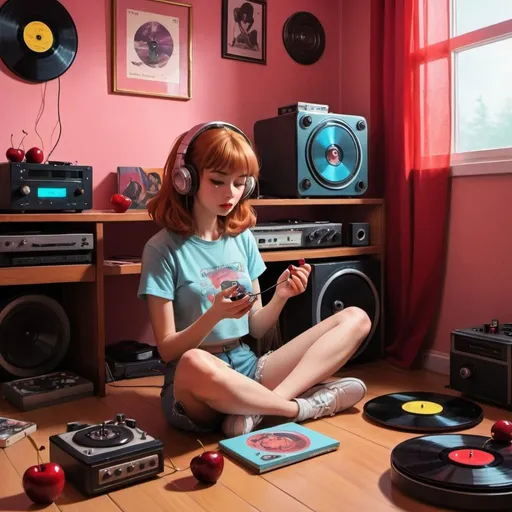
(213, 277)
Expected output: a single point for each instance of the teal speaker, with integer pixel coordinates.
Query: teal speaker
(312, 154)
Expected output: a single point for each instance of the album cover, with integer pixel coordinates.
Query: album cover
(13, 430)
(271, 448)
(139, 184)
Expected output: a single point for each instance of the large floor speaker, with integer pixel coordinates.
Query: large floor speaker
(311, 154)
(34, 335)
(334, 286)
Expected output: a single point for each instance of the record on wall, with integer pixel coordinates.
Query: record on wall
(304, 37)
(38, 39)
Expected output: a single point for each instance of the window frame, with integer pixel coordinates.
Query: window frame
(478, 162)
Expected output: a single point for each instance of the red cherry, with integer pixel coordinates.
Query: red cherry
(208, 466)
(15, 155)
(34, 156)
(120, 203)
(502, 430)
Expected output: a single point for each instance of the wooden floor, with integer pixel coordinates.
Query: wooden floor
(355, 477)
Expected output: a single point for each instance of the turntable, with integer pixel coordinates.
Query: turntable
(108, 456)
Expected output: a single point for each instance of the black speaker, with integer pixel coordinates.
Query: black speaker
(34, 332)
(356, 234)
(312, 154)
(334, 286)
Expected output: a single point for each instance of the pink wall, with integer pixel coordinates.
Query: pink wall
(107, 130)
(478, 282)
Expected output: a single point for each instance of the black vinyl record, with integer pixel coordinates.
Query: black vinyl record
(455, 471)
(432, 459)
(423, 412)
(304, 37)
(38, 39)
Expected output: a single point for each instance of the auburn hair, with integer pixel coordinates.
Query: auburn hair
(220, 149)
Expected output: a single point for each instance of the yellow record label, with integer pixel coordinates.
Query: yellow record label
(38, 36)
(422, 407)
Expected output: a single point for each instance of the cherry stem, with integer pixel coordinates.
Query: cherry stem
(25, 134)
(39, 458)
(202, 445)
(12, 142)
(176, 468)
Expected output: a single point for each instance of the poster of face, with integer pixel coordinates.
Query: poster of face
(244, 30)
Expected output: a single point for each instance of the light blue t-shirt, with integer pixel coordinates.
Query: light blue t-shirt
(190, 271)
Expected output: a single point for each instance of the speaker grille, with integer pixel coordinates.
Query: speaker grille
(349, 287)
(34, 335)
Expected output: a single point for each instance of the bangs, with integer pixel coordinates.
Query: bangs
(231, 154)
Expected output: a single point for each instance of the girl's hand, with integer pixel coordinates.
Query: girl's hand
(224, 307)
(297, 282)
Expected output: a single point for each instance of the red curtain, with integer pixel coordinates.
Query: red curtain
(414, 97)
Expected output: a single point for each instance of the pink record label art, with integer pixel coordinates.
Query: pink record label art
(153, 44)
(279, 442)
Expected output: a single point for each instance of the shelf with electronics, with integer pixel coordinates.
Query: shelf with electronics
(83, 284)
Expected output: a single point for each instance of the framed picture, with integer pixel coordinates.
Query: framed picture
(152, 48)
(244, 30)
(140, 184)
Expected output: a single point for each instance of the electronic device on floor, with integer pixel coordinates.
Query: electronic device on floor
(28, 187)
(50, 389)
(481, 362)
(130, 359)
(457, 471)
(107, 456)
(297, 233)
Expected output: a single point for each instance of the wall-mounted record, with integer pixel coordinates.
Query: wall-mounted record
(304, 37)
(38, 39)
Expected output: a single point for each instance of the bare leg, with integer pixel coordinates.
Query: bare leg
(315, 354)
(205, 386)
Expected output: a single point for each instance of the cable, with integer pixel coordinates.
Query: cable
(59, 122)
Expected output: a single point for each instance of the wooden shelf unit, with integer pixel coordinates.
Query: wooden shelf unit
(84, 291)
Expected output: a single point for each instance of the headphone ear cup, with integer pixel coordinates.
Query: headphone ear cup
(184, 180)
(250, 185)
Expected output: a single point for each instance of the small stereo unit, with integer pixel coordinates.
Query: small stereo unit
(28, 187)
(38, 248)
(290, 234)
(481, 363)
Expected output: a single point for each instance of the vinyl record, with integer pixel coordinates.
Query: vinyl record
(456, 461)
(304, 37)
(455, 471)
(333, 153)
(38, 39)
(423, 412)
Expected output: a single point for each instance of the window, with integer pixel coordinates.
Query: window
(481, 46)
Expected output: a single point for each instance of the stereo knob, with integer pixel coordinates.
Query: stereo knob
(79, 191)
(24, 190)
(465, 373)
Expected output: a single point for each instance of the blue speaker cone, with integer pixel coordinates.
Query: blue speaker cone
(334, 154)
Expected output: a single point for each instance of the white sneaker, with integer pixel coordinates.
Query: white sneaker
(330, 398)
(237, 425)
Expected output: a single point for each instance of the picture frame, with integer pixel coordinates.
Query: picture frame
(152, 48)
(244, 30)
(140, 184)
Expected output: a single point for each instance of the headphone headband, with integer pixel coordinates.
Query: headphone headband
(184, 176)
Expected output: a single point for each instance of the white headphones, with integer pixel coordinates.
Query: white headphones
(185, 177)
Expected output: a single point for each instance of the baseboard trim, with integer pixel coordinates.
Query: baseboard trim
(437, 362)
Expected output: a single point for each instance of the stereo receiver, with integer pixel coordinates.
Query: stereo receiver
(45, 187)
(290, 234)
